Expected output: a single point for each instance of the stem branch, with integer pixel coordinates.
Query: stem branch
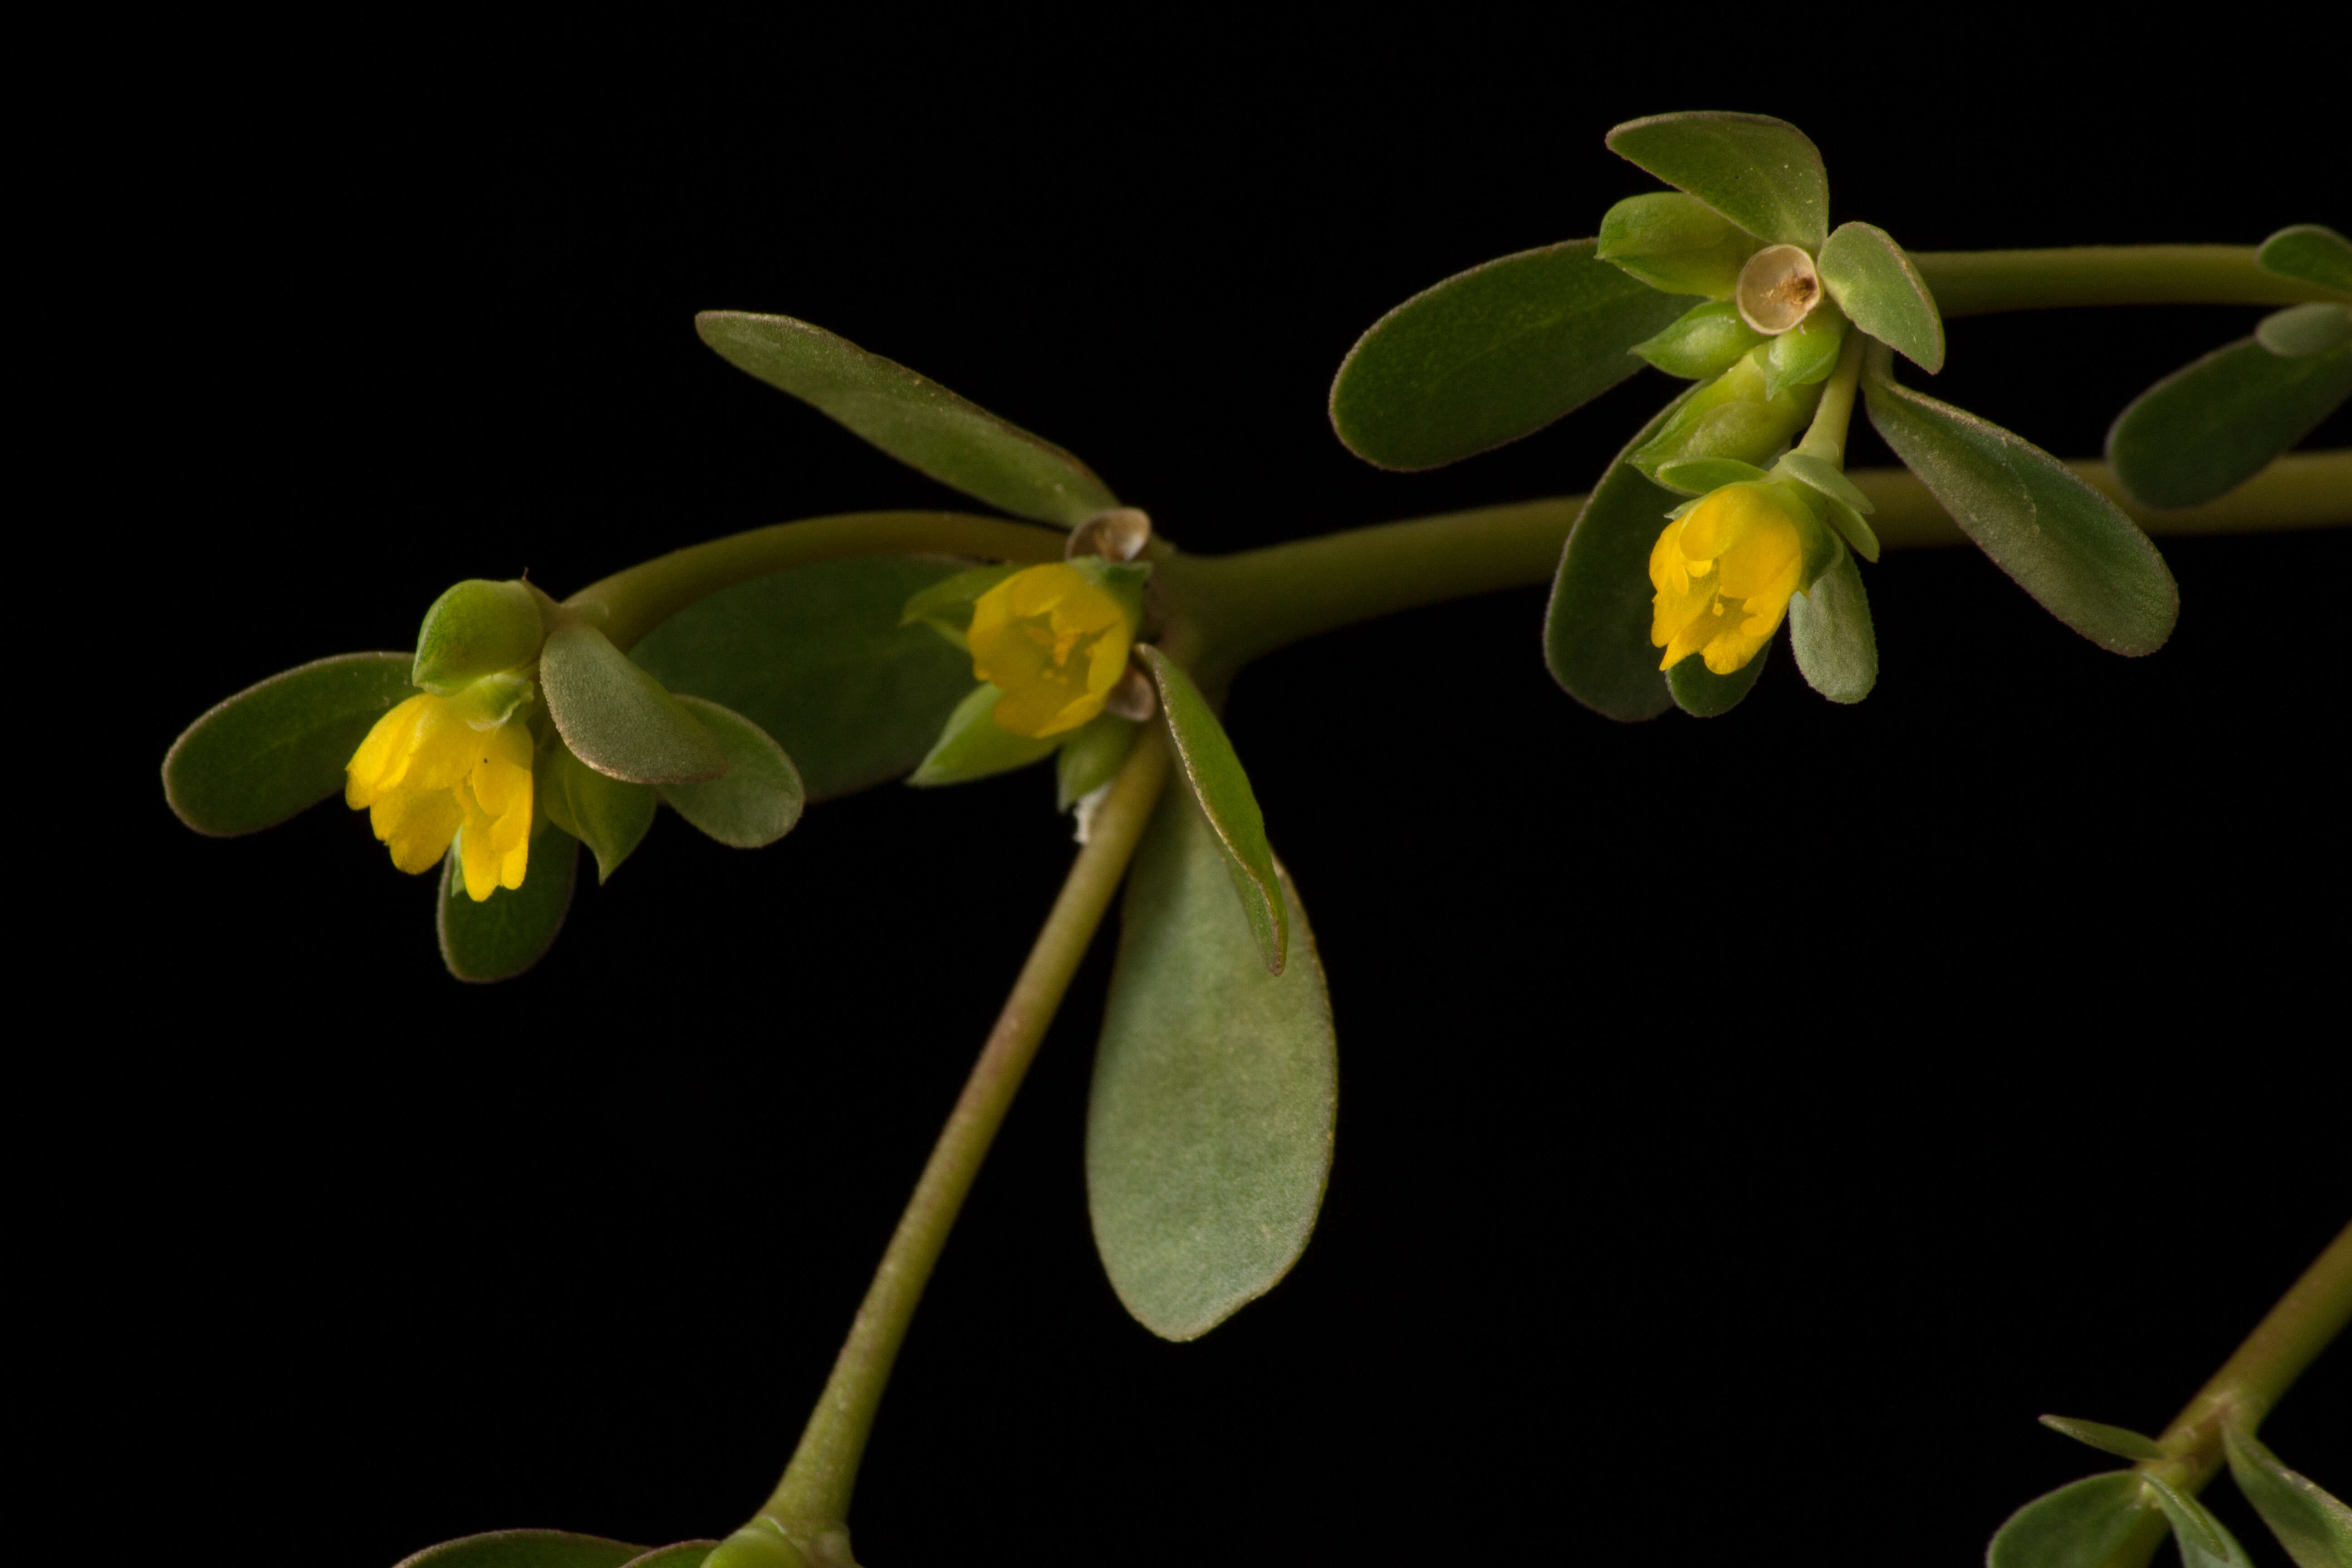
(1976, 282)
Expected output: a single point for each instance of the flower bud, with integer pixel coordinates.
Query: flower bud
(1674, 242)
(1731, 417)
(1707, 340)
(1778, 287)
(477, 628)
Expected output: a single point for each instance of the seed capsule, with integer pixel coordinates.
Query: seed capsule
(1777, 288)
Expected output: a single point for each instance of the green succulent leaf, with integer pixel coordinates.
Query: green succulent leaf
(525, 1549)
(475, 628)
(617, 717)
(1092, 755)
(2080, 1525)
(946, 605)
(2315, 1528)
(1882, 292)
(1702, 342)
(1762, 174)
(1829, 633)
(970, 746)
(610, 816)
(2301, 330)
(2310, 252)
(685, 1554)
(1492, 355)
(1209, 1126)
(2213, 424)
(511, 929)
(1675, 244)
(1703, 694)
(2120, 1441)
(756, 801)
(818, 657)
(279, 747)
(916, 420)
(2204, 1541)
(1821, 474)
(1596, 626)
(1206, 758)
(1701, 476)
(2063, 543)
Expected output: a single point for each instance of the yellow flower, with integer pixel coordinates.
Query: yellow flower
(1054, 643)
(1723, 573)
(441, 767)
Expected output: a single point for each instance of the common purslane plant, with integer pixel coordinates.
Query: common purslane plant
(737, 681)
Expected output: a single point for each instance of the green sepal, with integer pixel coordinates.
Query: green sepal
(1597, 625)
(2121, 1441)
(682, 1555)
(946, 605)
(1122, 580)
(1859, 536)
(816, 657)
(2301, 330)
(617, 717)
(1702, 477)
(1216, 1092)
(2315, 1528)
(1807, 352)
(1703, 694)
(1826, 477)
(511, 929)
(757, 800)
(970, 746)
(1683, 510)
(1676, 244)
(1830, 634)
(2310, 253)
(1822, 545)
(476, 628)
(1730, 416)
(1764, 175)
(2216, 423)
(1214, 773)
(280, 747)
(1091, 755)
(1703, 341)
(916, 420)
(610, 816)
(1492, 355)
(525, 1549)
(2062, 542)
(1881, 291)
(2080, 1525)
(2204, 1541)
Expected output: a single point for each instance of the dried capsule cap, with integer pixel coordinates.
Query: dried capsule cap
(1119, 534)
(1136, 697)
(1777, 288)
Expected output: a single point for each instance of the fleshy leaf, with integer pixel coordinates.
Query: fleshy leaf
(1762, 174)
(818, 658)
(1214, 776)
(685, 1554)
(2080, 1525)
(1492, 355)
(946, 604)
(2300, 331)
(2066, 544)
(1090, 757)
(1208, 1127)
(609, 815)
(2310, 252)
(1703, 694)
(618, 718)
(1596, 627)
(916, 420)
(1807, 353)
(756, 801)
(525, 1549)
(970, 746)
(511, 929)
(2217, 422)
(2120, 1441)
(1829, 633)
(1699, 476)
(2204, 1541)
(1882, 292)
(2315, 1528)
(1701, 344)
(279, 747)
(1674, 242)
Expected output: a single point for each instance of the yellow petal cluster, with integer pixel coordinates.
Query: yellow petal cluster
(440, 767)
(1054, 643)
(1723, 573)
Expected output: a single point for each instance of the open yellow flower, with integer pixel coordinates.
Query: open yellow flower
(1723, 573)
(1054, 642)
(436, 768)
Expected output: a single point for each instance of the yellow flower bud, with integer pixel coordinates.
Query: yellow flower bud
(436, 768)
(1054, 642)
(1724, 572)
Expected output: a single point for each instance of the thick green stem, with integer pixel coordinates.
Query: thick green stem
(811, 1502)
(1825, 437)
(1976, 282)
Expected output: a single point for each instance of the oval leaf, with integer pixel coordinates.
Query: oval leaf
(970, 746)
(757, 800)
(1492, 355)
(2120, 1441)
(279, 747)
(2315, 1528)
(2311, 252)
(525, 1549)
(916, 420)
(1829, 633)
(2302, 329)
(2078, 1526)
(1214, 773)
(1881, 292)
(2204, 1541)
(618, 718)
(608, 815)
(511, 929)
(2210, 426)
(2063, 543)
(685, 1554)
(1762, 174)
(1209, 1126)
(1703, 694)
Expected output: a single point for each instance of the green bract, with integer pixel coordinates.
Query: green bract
(477, 628)
(1806, 352)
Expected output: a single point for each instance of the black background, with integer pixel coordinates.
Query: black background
(1748, 1127)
